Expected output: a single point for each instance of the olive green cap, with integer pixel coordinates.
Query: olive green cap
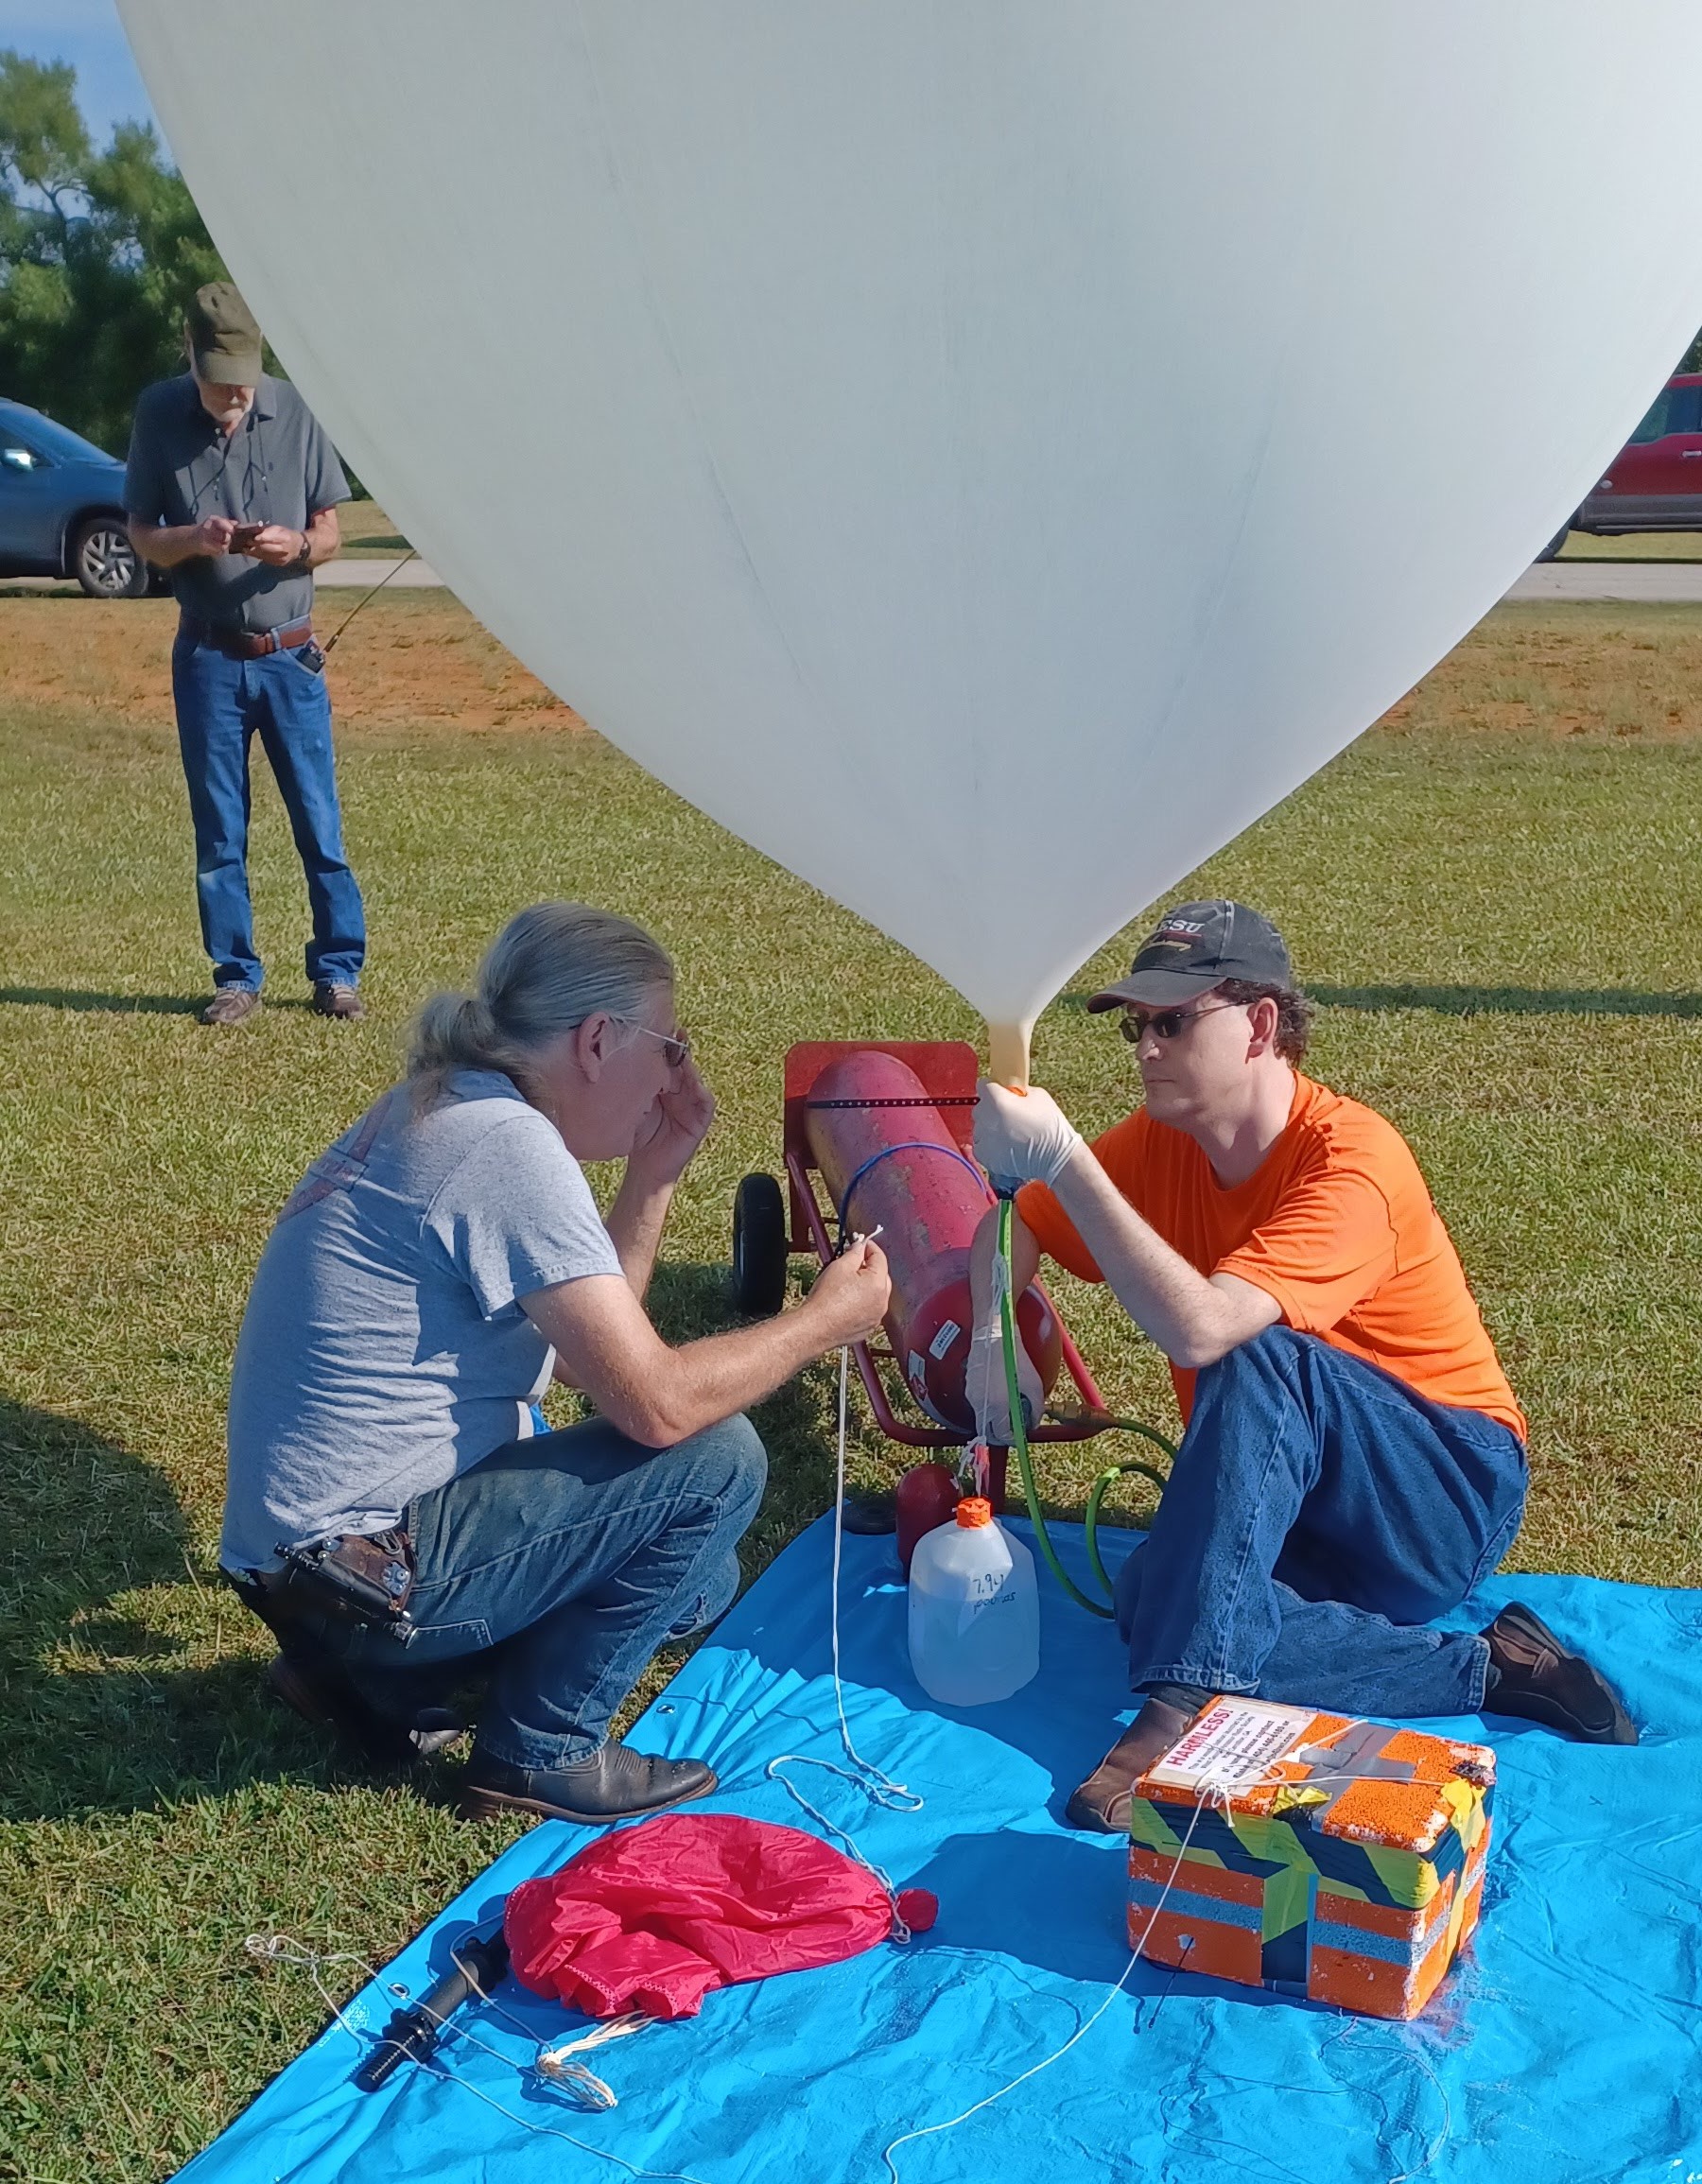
(224, 335)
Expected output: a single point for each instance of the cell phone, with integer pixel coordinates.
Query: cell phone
(244, 536)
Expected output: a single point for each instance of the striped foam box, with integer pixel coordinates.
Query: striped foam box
(1321, 1856)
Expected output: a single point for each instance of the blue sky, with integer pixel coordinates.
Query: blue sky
(88, 34)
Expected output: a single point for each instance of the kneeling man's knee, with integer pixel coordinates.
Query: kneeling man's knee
(729, 1462)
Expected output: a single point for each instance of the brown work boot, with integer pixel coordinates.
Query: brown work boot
(339, 1001)
(1536, 1680)
(1103, 1800)
(232, 1005)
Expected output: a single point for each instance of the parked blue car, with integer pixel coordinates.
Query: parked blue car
(61, 508)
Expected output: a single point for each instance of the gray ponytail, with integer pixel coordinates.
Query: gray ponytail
(547, 970)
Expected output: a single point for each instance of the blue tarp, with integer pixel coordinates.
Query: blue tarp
(1565, 2049)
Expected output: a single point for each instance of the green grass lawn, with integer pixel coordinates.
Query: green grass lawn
(1638, 546)
(366, 529)
(1496, 898)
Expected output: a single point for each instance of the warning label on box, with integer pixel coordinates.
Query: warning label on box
(1232, 1747)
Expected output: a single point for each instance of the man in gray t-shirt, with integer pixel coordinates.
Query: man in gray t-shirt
(412, 1240)
(232, 486)
(427, 1280)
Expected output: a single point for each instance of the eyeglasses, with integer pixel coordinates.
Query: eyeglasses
(676, 1045)
(1165, 1023)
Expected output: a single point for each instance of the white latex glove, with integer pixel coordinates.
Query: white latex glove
(1021, 1137)
(984, 1385)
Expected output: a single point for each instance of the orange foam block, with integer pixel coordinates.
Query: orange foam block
(1321, 1855)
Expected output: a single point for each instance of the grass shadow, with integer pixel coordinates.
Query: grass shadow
(1510, 1000)
(122, 1004)
(103, 1712)
(104, 1004)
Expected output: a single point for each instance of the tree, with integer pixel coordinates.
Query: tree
(99, 252)
(1691, 359)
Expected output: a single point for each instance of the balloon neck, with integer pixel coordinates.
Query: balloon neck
(1008, 1054)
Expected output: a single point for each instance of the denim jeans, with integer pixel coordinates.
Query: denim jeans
(1318, 1512)
(564, 1561)
(221, 702)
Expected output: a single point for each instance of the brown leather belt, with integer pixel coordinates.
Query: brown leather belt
(248, 643)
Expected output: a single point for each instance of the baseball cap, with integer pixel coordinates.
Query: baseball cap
(225, 336)
(1196, 946)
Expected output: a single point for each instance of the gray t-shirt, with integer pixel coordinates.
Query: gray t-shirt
(277, 467)
(383, 1350)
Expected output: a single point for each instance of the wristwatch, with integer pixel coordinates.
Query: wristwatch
(304, 561)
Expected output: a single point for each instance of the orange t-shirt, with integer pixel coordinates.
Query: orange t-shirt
(1335, 1223)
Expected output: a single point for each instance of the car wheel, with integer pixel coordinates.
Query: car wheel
(105, 563)
(760, 1250)
(1555, 543)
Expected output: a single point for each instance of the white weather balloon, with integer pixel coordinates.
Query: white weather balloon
(983, 452)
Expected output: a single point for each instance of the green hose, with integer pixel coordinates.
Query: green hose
(1007, 1305)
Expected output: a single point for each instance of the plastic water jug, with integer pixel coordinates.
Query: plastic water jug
(973, 1611)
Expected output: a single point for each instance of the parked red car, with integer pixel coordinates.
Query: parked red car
(1655, 481)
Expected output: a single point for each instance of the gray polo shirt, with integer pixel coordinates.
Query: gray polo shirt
(277, 467)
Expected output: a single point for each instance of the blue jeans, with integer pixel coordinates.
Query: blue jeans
(221, 702)
(565, 1561)
(1319, 1510)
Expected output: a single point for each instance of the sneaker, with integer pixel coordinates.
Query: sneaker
(341, 1001)
(232, 1005)
(1103, 1801)
(1537, 1680)
(613, 1784)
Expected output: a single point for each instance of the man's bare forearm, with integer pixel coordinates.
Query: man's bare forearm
(324, 537)
(635, 1222)
(660, 1395)
(720, 1374)
(166, 545)
(1193, 1320)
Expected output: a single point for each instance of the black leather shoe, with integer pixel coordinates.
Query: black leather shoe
(613, 1784)
(1103, 1800)
(1538, 1680)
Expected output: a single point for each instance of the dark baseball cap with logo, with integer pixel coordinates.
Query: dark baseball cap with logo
(224, 335)
(1196, 948)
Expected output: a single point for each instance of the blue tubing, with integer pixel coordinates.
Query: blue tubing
(910, 1145)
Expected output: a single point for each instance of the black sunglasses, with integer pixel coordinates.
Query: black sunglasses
(1164, 1022)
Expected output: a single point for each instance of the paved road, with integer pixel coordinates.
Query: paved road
(370, 569)
(1607, 580)
(1548, 580)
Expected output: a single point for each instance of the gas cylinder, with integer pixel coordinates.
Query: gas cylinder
(890, 1162)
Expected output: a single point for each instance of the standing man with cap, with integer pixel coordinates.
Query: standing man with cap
(1354, 1462)
(232, 486)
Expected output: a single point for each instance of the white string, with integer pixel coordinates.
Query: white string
(930, 2130)
(279, 1948)
(595, 2091)
(876, 1786)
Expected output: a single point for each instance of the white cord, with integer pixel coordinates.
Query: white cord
(279, 1948)
(876, 1786)
(929, 2130)
(596, 2092)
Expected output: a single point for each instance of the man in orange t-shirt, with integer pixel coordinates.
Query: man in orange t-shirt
(1354, 1462)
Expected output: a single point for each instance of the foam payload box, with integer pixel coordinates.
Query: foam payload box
(1336, 1858)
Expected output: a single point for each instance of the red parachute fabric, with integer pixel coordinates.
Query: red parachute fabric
(652, 1918)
